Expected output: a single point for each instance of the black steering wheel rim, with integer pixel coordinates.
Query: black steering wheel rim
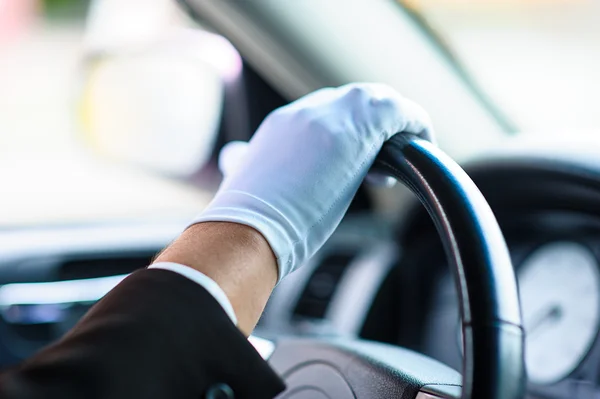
(493, 337)
(493, 363)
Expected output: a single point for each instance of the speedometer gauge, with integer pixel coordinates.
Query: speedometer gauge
(560, 295)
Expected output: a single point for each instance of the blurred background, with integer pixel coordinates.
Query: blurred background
(111, 108)
(112, 113)
(83, 87)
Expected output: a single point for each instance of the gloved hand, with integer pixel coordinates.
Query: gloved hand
(294, 180)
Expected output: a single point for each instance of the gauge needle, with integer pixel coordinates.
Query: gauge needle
(547, 315)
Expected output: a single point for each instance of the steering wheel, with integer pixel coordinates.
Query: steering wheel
(493, 365)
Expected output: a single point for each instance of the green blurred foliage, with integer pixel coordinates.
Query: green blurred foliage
(65, 9)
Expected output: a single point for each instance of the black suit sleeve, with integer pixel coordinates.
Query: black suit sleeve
(156, 335)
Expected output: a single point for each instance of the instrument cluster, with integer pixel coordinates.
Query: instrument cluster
(559, 288)
(549, 212)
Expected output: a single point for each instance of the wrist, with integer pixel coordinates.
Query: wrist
(241, 208)
(224, 243)
(237, 257)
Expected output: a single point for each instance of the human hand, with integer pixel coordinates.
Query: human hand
(295, 179)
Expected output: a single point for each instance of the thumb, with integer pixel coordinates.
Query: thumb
(231, 156)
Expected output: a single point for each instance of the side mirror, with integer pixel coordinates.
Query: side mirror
(159, 107)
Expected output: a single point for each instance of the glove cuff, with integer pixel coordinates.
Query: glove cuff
(243, 208)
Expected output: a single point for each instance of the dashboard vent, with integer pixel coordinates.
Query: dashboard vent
(75, 269)
(321, 286)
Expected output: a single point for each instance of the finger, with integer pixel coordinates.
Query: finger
(231, 156)
(398, 114)
(380, 180)
(380, 108)
(417, 120)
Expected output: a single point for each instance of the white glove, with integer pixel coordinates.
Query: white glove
(294, 180)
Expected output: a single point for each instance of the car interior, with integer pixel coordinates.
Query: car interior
(476, 276)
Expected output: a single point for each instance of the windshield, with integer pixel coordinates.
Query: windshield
(538, 60)
(89, 101)
(82, 89)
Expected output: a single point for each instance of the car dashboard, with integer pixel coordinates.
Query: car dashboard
(548, 212)
(377, 278)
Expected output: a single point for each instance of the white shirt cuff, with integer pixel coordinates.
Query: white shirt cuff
(198, 277)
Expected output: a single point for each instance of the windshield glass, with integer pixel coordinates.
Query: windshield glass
(539, 60)
(106, 111)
